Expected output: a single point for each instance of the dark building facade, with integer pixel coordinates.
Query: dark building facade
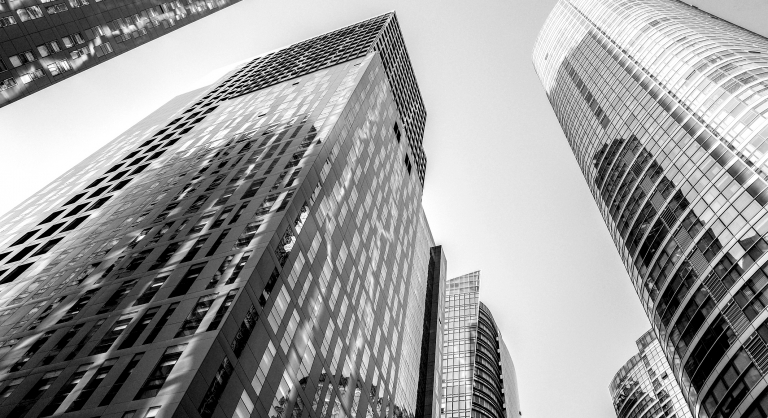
(253, 248)
(479, 379)
(645, 386)
(46, 41)
(663, 107)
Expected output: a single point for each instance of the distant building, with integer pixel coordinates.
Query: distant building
(645, 387)
(257, 248)
(478, 375)
(46, 41)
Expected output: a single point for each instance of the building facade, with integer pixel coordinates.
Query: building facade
(479, 377)
(645, 386)
(664, 107)
(46, 41)
(253, 248)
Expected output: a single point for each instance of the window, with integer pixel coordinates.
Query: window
(223, 309)
(6, 21)
(165, 256)
(117, 297)
(33, 75)
(7, 83)
(244, 332)
(48, 48)
(30, 13)
(148, 294)
(33, 349)
(6, 392)
(239, 267)
(220, 220)
(56, 8)
(34, 394)
(78, 306)
(195, 248)
(216, 389)
(186, 282)
(59, 67)
(21, 58)
(65, 390)
(239, 212)
(109, 338)
(161, 323)
(63, 342)
(121, 379)
(92, 385)
(218, 242)
(85, 340)
(247, 235)
(135, 333)
(162, 370)
(193, 320)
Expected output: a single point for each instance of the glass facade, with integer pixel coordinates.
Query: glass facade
(45, 41)
(664, 107)
(645, 386)
(479, 378)
(242, 251)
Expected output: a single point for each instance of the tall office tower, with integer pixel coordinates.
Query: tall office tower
(479, 379)
(253, 248)
(645, 386)
(664, 107)
(46, 41)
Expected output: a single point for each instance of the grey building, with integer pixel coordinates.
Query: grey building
(664, 107)
(645, 386)
(479, 377)
(253, 248)
(45, 41)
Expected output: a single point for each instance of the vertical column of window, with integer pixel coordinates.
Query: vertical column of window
(218, 242)
(244, 331)
(219, 272)
(113, 334)
(135, 262)
(65, 339)
(222, 311)
(78, 306)
(65, 390)
(160, 373)
(161, 323)
(93, 384)
(239, 212)
(222, 217)
(216, 389)
(193, 320)
(121, 379)
(165, 256)
(247, 235)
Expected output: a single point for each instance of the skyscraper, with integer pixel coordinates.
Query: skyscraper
(664, 107)
(44, 42)
(645, 387)
(253, 248)
(479, 377)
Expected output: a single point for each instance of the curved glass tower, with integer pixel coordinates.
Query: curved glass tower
(644, 386)
(479, 376)
(664, 107)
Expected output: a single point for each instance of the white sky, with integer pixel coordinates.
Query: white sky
(503, 192)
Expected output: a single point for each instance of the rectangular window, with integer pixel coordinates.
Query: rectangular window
(195, 248)
(34, 394)
(85, 340)
(216, 389)
(78, 306)
(198, 203)
(117, 297)
(93, 384)
(223, 309)
(21, 58)
(117, 329)
(186, 282)
(32, 75)
(139, 328)
(162, 370)
(63, 342)
(239, 267)
(165, 256)
(161, 323)
(7, 83)
(136, 260)
(31, 351)
(6, 21)
(121, 379)
(56, 8)
(220, 220)
(247, 235)
(264, 364)
(239, 212)
(148, 294)
(65, 390)
(217, 243)
(244, 332)
(253, 189)
(193, 320)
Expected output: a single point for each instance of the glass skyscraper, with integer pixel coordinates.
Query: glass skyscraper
(479, 377)
(665, 109)
(645, 387)
(256, 247)
(45, 41)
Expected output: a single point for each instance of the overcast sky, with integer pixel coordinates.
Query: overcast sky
(503, 192)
